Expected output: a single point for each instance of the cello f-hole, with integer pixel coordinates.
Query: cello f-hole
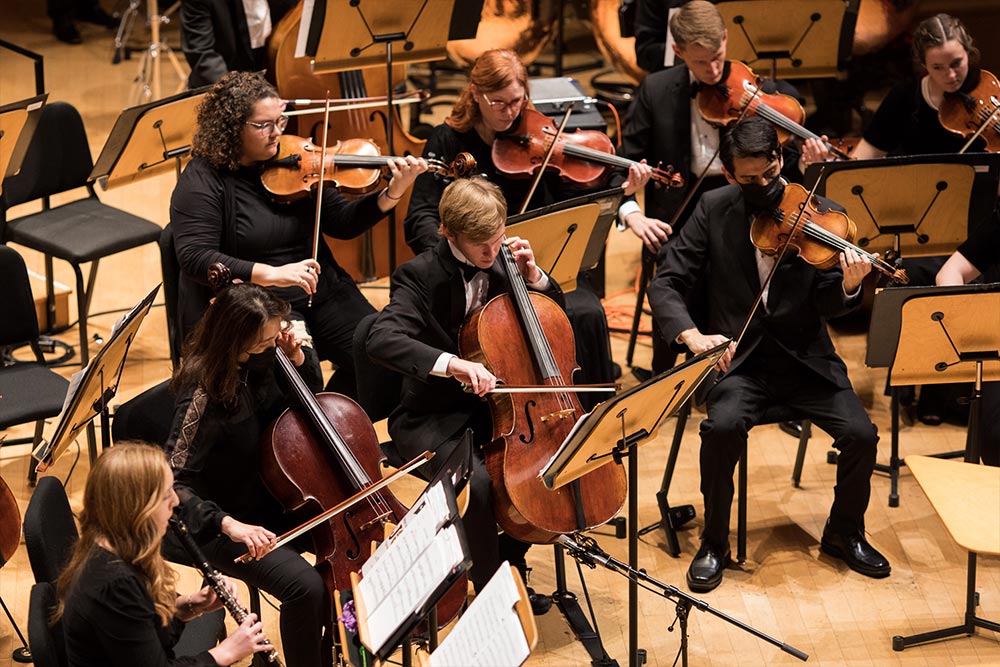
(528, 421)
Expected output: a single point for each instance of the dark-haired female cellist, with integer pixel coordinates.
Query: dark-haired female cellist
(227, 396)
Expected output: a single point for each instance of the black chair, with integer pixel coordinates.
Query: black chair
(30, 391)
(84, 230)
(171, 269)
(48, 649)
(669, 521)
(50, 534)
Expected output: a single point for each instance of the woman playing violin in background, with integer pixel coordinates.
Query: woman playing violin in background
(490, 104)
(906, 122)
(118, 606)
(220, 212)
(227, 396)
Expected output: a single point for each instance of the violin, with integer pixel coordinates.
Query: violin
(511, 335)
(582, 157)
(815, 231)
(739, 94)
(353, 165)
(974, 114)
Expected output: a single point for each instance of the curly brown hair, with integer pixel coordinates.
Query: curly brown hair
(221, 115)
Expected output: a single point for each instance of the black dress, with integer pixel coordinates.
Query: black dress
(109, 620)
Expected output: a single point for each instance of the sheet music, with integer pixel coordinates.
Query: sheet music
(489, 633)
(400, 586)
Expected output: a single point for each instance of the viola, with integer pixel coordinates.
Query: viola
(815, 231)
(353, 165)
(739, 94)
(582, 157)
(976, 113)
(511, 335)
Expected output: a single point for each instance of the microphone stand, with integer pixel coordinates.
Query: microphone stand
(586, 551)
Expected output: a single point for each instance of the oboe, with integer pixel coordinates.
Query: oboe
(214, 579)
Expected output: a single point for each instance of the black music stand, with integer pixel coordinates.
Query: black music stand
(148, 140)
(898, 335)
(810, 39)
(18, 121)
(338, 34)
(568, 236)
(91, 390)
(613, 431)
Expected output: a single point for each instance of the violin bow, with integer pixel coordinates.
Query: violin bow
(319, 186)
(781, 253)
(545, 161)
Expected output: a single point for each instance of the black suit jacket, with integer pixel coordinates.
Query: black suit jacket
(425, 313)
(715, 245)
(215, 40)
(658, 129)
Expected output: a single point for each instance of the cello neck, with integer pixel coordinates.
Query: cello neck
(544, 359)
(324, 428)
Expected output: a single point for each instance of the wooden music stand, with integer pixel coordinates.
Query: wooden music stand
(799, 39)
(92, 388)
(18, 121)
(916, 206)
(614, 430)
(568, 237)
(148, 140)
(919, 343)
(954, 488)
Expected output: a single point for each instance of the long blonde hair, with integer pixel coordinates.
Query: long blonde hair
(493, 70)
(123, 491)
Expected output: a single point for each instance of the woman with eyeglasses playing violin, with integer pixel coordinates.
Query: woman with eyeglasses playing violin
(491, 103)
(220, 212)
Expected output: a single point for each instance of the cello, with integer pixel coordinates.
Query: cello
(309, 467)
(370, 255)
(510, 336)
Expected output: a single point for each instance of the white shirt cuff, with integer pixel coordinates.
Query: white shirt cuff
(542, 283)
(626, 209)
(440, 368)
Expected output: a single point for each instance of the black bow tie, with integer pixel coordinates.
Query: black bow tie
(470, 271)
(696, 87)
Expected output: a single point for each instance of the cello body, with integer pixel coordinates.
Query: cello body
(528, 428)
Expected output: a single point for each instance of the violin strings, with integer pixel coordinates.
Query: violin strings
(828, 237)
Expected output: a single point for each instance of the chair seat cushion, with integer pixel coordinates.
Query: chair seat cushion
(82, 231)
(29, 392)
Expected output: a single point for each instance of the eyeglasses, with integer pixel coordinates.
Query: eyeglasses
(500, 107)
(265, 128)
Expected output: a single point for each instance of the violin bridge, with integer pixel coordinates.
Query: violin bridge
(561, 414)
(384, 517)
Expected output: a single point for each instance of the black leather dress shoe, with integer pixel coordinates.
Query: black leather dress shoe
(856, 552)
(65, 31)
(705, 571)
(792, 428)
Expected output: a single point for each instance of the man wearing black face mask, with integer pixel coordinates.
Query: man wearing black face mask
(785, 357)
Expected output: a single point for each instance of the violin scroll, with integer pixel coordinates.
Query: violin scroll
(463, 165)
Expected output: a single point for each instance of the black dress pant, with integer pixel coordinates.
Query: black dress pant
(736, 404)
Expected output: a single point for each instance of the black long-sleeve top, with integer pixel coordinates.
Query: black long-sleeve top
(228, 217)
(214, 451)
(422, 218)
(109, 620)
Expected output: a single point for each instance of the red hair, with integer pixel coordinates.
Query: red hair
(494, 70)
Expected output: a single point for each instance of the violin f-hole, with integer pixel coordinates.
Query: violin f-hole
(531, 426)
